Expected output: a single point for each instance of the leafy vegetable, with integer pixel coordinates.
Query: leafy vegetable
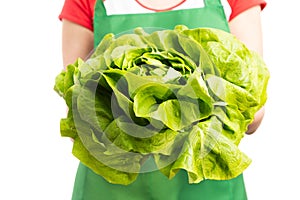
(183, 97)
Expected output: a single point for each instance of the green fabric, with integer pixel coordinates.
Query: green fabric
(154, 185)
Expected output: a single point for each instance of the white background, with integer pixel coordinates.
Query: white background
(37, 164)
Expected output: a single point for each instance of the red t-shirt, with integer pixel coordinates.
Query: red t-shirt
(82, 11)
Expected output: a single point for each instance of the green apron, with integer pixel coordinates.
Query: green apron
(154, 185)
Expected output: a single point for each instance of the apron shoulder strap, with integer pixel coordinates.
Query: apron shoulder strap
(212, 3)
(99, 6)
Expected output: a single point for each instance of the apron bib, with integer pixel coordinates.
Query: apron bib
(211, 15)
(154, 185)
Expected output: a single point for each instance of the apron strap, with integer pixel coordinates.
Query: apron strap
(100, 7)
(212, 3)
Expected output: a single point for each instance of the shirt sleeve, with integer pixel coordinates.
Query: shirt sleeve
(79, 11)
(239, 6)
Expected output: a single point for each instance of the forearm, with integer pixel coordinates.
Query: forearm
(257, 121)
(247, 28)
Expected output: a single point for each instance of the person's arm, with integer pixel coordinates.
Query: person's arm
(247, 28)
(77, 42)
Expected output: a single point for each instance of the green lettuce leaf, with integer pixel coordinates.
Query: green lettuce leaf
(183, 97)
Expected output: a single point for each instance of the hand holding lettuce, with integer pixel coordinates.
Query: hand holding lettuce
(184, 97)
